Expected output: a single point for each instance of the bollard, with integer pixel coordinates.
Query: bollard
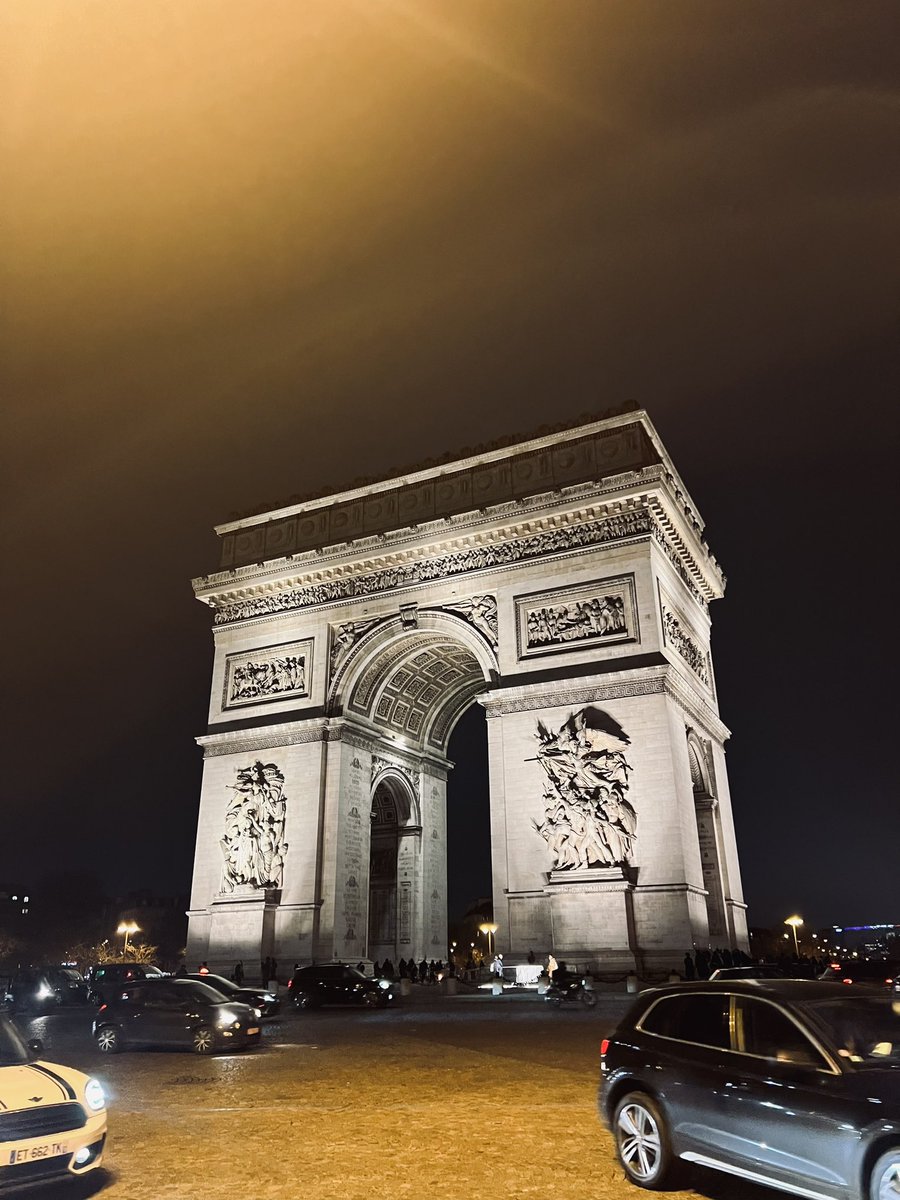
(631, 982)
(674, 977)
(497, 987)
(405, 987)
(449, 983)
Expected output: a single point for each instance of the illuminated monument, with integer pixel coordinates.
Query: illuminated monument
(561, 582)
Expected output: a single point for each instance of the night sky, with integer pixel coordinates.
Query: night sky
(252, 250)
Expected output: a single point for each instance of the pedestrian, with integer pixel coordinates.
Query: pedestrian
(531, 958)
(497, 966)
(423, 970)
(552, 965)
(689, 972)
(238, 975)
(413, 970)
(376, 969)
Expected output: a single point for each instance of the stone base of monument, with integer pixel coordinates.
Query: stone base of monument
(592, 915)
(242, 925)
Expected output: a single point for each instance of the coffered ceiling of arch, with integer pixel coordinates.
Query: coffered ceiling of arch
(416, 690)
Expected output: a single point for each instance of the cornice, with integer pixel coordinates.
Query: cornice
(648, 681)
(479, 525)
(551, 537)
(268, 737)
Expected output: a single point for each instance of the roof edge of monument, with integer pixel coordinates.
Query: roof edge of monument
(549, 436)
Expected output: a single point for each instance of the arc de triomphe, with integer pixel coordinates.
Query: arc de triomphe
(563, 583)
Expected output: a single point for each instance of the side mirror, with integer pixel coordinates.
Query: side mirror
(36, 1047)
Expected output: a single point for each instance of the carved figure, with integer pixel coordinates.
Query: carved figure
(253, 845)
(480, 611)
(588, 820)
(601, 616)
(252, 680)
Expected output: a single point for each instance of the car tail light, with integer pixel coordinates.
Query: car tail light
(889, 981)
(604, 1046)
(102, 1008)
(846, 980)
(290, 984)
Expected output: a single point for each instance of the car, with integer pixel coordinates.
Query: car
(106, 978)
(794, 1084)
(52, 1118)
(174, 1013)
(872, 972)
(754, 971)
(338, 983)
(267, 1002)
(34, 989)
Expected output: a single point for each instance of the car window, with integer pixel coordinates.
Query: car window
(865, 1030)
(766, 1032)
(701, 1018)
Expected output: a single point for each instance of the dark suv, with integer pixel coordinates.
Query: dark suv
(872, 972)
(338, 983)
(106, 980)
(788, 1083)
(36, 988)
(173, 1013)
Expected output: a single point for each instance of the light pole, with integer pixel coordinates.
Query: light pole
(489, 929)
(795, 923)
(129, 928)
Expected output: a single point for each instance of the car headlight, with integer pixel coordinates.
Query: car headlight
(44, 992)
(256, 1014)
(384, 983)
(269, 998)
(94, 1096)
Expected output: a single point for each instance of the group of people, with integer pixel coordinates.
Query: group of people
(423, 972)
(700, 964)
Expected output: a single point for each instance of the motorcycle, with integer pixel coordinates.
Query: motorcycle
(572, 991)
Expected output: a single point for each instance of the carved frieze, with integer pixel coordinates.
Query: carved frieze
(678, 634)
(273, 673)
(589, 822)
(631, 523)
(577, 618)
(253, 844)
(380, 765)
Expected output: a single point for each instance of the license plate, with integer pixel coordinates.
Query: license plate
(32, 1153)
(253, 1029)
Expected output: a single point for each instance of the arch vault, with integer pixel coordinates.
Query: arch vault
(562, 583)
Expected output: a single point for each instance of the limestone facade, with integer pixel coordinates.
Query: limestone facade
(564, 584)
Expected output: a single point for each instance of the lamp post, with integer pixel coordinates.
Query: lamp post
(795, 923)
(129, 928)
(489, 929)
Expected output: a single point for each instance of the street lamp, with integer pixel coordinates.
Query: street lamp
(489, 929)
(795, 923)
(129, 928)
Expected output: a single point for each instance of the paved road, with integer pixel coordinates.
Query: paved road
(465, 1097)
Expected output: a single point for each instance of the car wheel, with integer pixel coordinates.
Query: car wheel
(373, 1000)
(109, 1040)
(589, 998)
(204, 1042)
(642, 1141)
(304, 1000)
(884, 1182)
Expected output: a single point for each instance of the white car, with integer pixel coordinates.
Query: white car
(52, 1118)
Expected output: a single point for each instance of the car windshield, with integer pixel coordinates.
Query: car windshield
(200, 991)
(13, 1051)
(866, 1031)
(220, 983)
(72, 976)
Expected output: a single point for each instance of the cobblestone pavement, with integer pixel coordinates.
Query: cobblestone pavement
(466, 1096)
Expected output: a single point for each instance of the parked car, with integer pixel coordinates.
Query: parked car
(794, 1084)
(52, 1118)
(33, 989)
(105, 979)
(267, 1002)
(338, 983)
(174, 1012)
(873, 972)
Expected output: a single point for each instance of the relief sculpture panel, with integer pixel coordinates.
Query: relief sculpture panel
(576, 618)
(253, 845)
(273, 673)
(588, 821)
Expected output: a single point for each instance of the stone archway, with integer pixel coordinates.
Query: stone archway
(562, 582)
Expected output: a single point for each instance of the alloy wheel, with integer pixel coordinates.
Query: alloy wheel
(886, 1177)
(108, 1040)
(640, 1144)
(203, 1040)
